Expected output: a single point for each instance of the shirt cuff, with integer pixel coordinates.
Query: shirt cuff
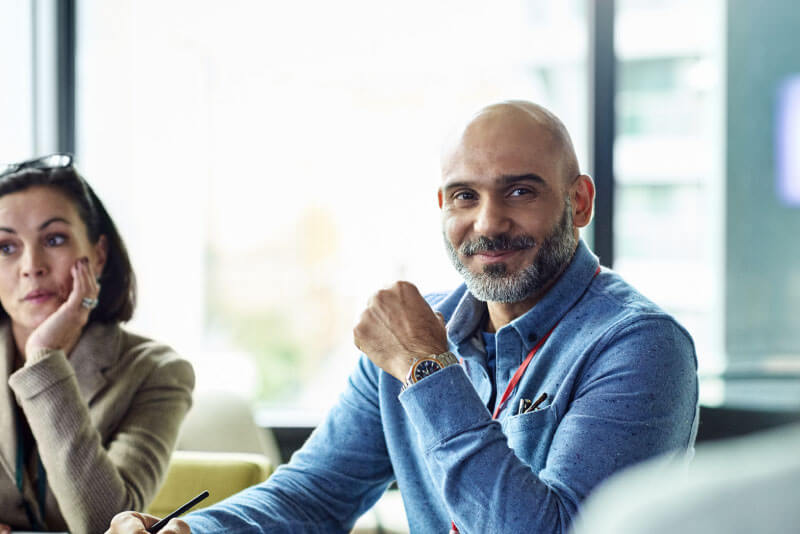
(443, 405)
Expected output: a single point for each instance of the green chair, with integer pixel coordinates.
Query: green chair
(221, 473)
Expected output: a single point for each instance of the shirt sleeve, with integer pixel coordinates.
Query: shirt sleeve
(636, 398)
(338, 474)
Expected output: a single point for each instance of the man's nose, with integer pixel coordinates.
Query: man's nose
(491, 219)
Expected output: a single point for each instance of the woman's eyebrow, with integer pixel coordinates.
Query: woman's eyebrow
(53, 220)
(42, 226)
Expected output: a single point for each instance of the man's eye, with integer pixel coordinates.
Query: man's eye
(519, 191)
(55, 240)
(464, 195)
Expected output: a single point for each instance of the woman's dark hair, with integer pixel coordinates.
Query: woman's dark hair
(118, 283)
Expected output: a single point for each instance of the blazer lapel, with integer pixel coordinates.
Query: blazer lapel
(8, 447)
(97, 349)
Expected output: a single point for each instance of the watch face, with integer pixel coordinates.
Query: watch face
(424, 368)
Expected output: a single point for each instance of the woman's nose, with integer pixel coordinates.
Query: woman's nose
(33, 264)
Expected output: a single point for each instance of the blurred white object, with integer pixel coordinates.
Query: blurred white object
(223, 421)
(736, 486)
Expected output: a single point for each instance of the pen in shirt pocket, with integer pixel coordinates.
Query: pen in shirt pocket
(535, 404)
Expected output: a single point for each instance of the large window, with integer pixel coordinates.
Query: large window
(273, 164)
(271, 169)
(668, 221)
(16, 80)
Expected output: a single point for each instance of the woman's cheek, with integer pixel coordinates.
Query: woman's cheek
(65, 289)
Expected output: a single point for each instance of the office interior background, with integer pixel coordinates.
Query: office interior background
(271, 164)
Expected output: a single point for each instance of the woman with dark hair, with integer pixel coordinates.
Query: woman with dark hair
(91, 412)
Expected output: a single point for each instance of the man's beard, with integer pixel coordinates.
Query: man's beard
(496, 284)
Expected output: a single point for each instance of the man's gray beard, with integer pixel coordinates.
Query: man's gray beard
(495, 284)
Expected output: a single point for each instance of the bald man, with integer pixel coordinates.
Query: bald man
(499, 406)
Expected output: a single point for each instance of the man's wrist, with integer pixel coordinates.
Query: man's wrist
(424, 367)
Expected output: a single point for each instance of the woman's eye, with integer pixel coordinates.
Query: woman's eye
(6, 249)
(55, 240)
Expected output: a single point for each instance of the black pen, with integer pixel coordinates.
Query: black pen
(161, 524)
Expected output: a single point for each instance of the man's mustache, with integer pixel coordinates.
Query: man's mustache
(502, 242)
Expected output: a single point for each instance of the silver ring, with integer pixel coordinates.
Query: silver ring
(88, 303)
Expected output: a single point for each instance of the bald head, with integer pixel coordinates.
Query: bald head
(512, 126)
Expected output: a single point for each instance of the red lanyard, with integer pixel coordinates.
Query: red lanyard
(515, 380)
(511, 385)
(520, 371)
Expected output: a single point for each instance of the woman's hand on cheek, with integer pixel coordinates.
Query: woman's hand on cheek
(62, 329)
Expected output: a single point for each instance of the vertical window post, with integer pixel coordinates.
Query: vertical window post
(65, 77)
(603, 65)
(53, 47)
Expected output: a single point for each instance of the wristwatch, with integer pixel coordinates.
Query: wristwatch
(422, 367)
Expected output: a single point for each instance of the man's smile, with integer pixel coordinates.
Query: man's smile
(496, 256)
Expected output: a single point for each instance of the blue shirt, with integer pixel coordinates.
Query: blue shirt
(491, 360)
(620, 375)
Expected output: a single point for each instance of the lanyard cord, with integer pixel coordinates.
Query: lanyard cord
(516, 378)
(41, 482)
(520, 371)
(513, 384)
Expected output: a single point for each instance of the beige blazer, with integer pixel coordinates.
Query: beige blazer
(105, 421)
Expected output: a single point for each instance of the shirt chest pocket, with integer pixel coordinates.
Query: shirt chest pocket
(530, 435)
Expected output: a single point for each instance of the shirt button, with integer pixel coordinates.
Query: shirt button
(532, 337)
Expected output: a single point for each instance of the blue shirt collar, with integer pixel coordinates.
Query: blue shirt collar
(469, 314)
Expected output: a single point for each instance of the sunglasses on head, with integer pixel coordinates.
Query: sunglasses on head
(52, 161)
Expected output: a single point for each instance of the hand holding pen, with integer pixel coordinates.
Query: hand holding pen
(180, 511)
(137, 523)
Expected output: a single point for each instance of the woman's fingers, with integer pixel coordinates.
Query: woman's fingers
(89, 277)
(75, 291)
(84, 287)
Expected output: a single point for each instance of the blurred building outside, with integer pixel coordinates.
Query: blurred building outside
(271, 170)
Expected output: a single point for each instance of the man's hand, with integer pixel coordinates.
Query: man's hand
(136, 523)
(397, 327)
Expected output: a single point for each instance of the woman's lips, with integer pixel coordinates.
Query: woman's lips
(38, 296)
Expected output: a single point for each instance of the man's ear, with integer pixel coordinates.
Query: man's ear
(441, 200)
(581, 195)
(100, 254)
